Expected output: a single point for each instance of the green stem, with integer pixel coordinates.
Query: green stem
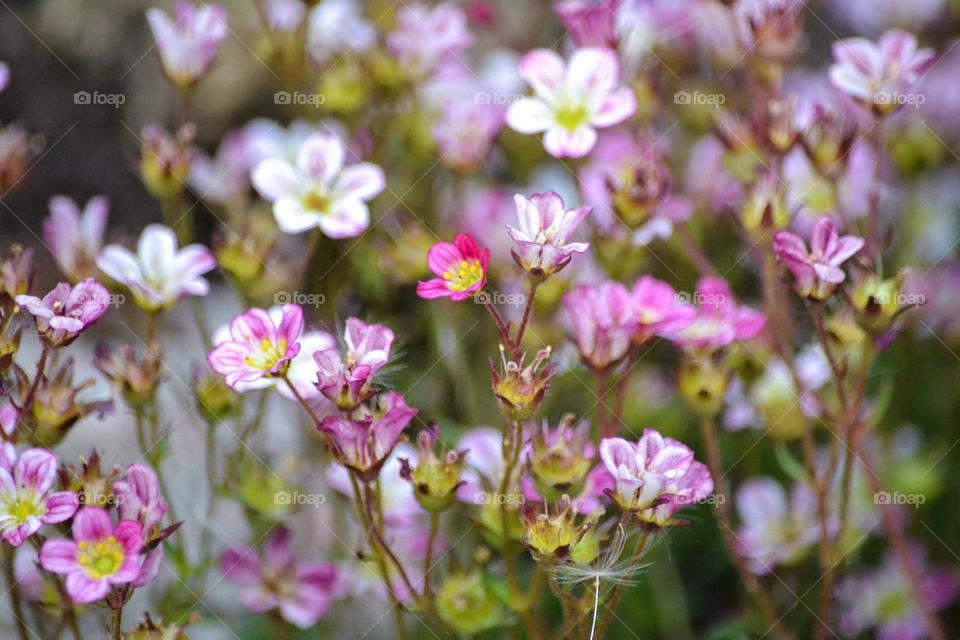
(117, 623)
(16, 603)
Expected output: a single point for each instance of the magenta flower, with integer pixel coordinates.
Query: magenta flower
(657, 309)
(654, 477)
(572, 100)
(590, 23)
(461, 268)
(817, 271)
(159, 274)
(259, 346)
(66, 311)
(602, 323)
(347, 380)
(75, 238)
(188, 45)
(363, 441)
(719, 320)
(775, 530)
(26, 500)
(276, 579)
(540, 244)
(879, 76)
(425, 37)
(319, 191)
(100, 555)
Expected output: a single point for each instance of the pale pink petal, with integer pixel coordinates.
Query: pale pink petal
(275, 179)
(83, 590)
(320, 158)
(614, 108)
(543, 70)
(562, 143)
(59, 556)
(529, 115)
(362, 181)
(593, 71)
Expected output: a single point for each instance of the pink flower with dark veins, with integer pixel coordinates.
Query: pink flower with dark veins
(572, 99)
(66, 311)
(100, 555)
(817, 271)
(260, 345)
(541, 245)
(27, 501)
(654, 477)
(602, 323)
(347, 380)
(362, 441)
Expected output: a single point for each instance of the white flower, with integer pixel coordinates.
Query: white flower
(318, 191)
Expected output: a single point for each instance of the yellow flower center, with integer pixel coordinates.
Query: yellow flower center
(464, 275)
(316, 200)
(571, 116)
(24, 506)
(102, 558)
(268, 354)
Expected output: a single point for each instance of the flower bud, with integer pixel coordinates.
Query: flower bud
(16, 273)
(164, 160)
(89, 481)
(553, 538)
(435, 479)
(561, 459)
(136, 378)
(520, 389)
(56, 406)
(703, 385)
(765, 209)
(468, 604)
(879, 302)
(216, 400)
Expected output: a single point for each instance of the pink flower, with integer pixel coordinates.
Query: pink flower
(879, 76)
(657, 310)
(275, 579)
(76, 238)
(9, 416)
(720, 320)
(159, 274)
(817, 271)
(187, 46)
(602, 323)
(572, 100)
(259, 345)
(363, 441)
(592, 24)
(775, 530)
(465, 131)
(26, 500)
(284, 16)
(461, 268)
(428, 36)
(100, 555)
(139, 498)
(884, 599)
(654, 477)
(347, 380)
(224, 178)
(66, 311)
(319, 191)
(771, 29)
(540, 244)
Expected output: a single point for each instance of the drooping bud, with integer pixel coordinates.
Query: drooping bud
(560, 459)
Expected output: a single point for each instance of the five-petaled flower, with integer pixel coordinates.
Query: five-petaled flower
(461, 268)
(261, 345)
(657, 309)
(302, 592)
(540, 244)
(100, 555)
(572, 100)
(347, 380)
(817, 271)
(66, 311)
(319, 191)
(26, 499)
(719, 321)
(159, 274)
(654, 477)
(188, 44)
(879, 76)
